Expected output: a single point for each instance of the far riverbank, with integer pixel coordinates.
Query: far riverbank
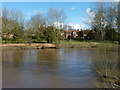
(63, 44)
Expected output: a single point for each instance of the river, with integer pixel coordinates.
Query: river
(52, 68)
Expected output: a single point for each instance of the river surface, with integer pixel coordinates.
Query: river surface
(51, 68)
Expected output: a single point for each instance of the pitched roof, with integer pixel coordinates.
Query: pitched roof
(71, 30)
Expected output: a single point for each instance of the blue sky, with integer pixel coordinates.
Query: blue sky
(76, 12)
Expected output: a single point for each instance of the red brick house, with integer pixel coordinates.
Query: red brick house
(83, 34)
(71, 33)
(9, 36)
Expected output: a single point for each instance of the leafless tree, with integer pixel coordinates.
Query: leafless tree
(12, 22)
(56, 16)
(35, 24)
(98, 22)
(118, 16)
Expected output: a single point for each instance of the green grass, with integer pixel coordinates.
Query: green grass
(15, 41)
(79, 44)
(75, 43)
(23, 41)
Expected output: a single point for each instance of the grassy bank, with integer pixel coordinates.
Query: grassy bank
(86, 44)
(66, 44)
(26, 45)
(108, 73)
(108, 76)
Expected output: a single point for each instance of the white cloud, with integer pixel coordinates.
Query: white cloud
(73, 8)
(86, 20)
(75, 26)
(90, 12)
(34, 12)
(116, 0)
(29, 14)
(58, 25)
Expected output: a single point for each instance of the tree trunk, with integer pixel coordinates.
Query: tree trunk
(48, 41)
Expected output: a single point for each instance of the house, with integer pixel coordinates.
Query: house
(7, 36)
(80, 34)
(71, 33)
(83, 34)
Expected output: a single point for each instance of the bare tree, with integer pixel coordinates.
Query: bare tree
(12, 23)
(98, 22)
(110, 22)
(35, 24)
(118, 16)
(16, 23)
(56, 16)
(118, 20)
(4, 19)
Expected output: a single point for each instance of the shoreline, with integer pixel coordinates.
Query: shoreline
(26, 45)
(72, 44)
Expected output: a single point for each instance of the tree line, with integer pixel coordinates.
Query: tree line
(38, 27)
(106, 21)
(106, 24)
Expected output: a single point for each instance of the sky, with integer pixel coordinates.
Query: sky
(60, 0)
(77, 12)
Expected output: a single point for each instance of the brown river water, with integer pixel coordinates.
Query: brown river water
(52, 68)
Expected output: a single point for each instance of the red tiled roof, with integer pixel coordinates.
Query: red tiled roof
(71, 30)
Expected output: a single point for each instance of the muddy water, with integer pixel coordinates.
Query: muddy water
(51, 68)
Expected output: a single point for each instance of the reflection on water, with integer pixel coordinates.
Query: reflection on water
(50, 68)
